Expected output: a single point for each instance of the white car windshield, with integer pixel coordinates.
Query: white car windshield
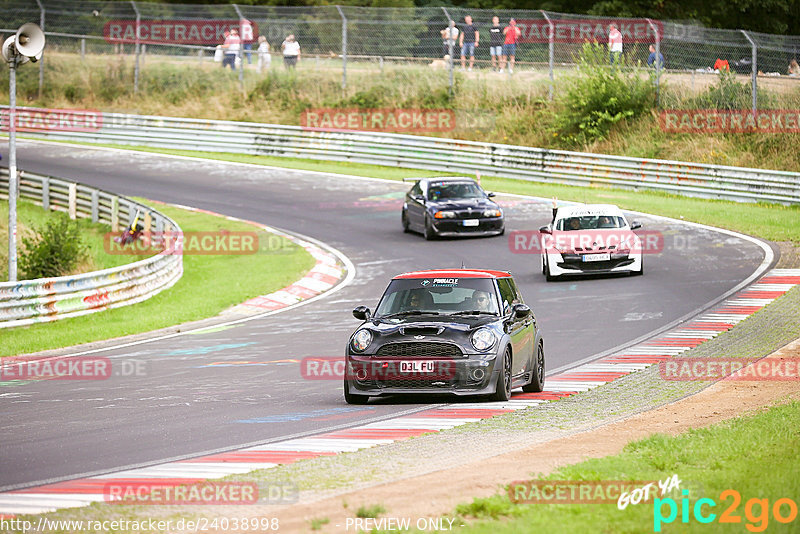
(591, 222)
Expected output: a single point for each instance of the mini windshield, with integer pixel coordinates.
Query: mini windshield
(439, 295)
(591, 222)
(454, 190)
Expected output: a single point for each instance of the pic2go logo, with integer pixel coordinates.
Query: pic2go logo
(756, 511)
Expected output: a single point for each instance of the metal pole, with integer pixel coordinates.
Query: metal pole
(241, 46)
(136, 67)
(344, 47)
(41, 59)
(551, 40)
(754, 72)
(658, 61)
(449, 48)
(12, 170)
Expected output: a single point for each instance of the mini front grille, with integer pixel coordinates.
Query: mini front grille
(420, 350)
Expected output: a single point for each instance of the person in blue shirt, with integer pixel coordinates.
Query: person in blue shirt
(651, 59)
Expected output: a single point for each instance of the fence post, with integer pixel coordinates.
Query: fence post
(449, 48)
(46, 194)
(72, 204)
(95, 205)
(551, 52)
(658, 61)
(136, 66)
(754, 72)
(83, 48)
(115, 214)
(344, 47)
(41, 59)
(241, 47)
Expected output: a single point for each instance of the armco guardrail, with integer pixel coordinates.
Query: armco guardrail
(430, 153)
(48, 299)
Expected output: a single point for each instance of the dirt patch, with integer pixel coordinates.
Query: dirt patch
(437, 493)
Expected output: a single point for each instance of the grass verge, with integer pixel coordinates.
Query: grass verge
(712, 455)
(210, 283)
(769, 221)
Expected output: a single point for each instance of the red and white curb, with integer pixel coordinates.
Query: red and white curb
(82, 492)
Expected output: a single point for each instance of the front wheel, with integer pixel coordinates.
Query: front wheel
(404, 219)
(503, 388)
(352, 398)
(430, 233)
(537, 380)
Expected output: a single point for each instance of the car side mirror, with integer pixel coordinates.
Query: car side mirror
(521, 311)
(635, 225)
(490, 195)
(546, 229)
(361, 313)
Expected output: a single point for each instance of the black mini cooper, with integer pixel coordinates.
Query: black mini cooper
(462, 332)
(448, 207)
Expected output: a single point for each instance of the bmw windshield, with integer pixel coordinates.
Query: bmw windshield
(454, 191)
(438, 296)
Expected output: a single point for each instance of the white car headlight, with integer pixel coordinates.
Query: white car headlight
(492, 213)
(482, 339)
(444, 214)
(362, 340)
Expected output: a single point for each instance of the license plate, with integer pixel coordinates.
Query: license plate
(416, 366)
(471, 222)
(597, 257)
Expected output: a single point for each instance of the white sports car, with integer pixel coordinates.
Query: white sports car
(590, 239)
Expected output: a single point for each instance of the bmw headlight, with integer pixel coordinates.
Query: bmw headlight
(444, 214)
(482, 339)
(362, 340)
(492, 213)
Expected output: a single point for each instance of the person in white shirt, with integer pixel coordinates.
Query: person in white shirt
(231, 48)
(264, 58)
(614, 43)
(449, 39)
(291, 52)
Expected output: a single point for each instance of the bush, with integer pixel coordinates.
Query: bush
(730, 94)
(600, 96)
(53, 251)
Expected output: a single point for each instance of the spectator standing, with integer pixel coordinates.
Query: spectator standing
(614, 43)
(794, 68)
(470, 37)
(231, 48)
(291, 52)
(651, 59)
(496, 43)
(511, 33)
(264, 58)
(449, 39)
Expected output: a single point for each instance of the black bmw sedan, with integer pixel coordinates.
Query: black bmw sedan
(461, 332)
(451, 207)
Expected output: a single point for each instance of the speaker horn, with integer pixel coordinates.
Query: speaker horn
(9, 50)
(30, 40)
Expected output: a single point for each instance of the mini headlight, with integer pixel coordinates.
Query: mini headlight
(362, 340)
(492, 213)
(482, 339)
(444, 214)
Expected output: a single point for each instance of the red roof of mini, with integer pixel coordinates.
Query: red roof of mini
(454, 273)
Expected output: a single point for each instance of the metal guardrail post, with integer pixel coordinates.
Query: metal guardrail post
(136, 66)
(551, 51)
(659, 66)
(754, 72)
(46, 194)
(95, 205)
(344, 47)
(449, 48)
(41, 59)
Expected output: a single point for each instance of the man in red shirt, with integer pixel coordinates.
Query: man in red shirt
(512, 33)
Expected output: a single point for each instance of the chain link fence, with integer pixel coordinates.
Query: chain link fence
(354, 44)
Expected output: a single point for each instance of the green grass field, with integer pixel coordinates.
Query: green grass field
(210, 283)
(754, 455)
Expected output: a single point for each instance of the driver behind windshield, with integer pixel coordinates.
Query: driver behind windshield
(481, 300)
